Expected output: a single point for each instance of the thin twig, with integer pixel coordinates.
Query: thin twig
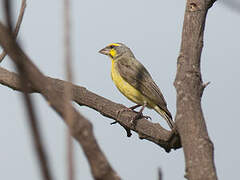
(67, 89)
(19, 21)
(204, 85)
(32, 118)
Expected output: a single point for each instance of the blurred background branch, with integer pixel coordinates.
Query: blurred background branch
(67, 89)
(24, 81)
(80, 127)
(17, 27)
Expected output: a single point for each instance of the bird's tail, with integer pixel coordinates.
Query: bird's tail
(166, 115)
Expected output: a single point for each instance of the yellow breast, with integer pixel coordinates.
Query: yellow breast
(125, 88)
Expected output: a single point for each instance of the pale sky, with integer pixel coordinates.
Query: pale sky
(152, 29)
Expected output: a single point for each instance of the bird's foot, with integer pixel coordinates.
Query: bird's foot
(139, 114)
(137, 117)
(127, 109)
(118, 113)
(122, 110)
(134, 107)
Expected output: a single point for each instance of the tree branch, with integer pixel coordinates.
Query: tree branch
(31, 115)
(67, 91)
(146, 129)
(197, 146)
(19, 21)
(81, 128)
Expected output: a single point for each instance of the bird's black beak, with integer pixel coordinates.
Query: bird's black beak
(105, 51)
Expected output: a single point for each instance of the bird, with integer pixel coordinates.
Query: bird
(134, 81)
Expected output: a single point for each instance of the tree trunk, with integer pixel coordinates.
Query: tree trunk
(198, 148)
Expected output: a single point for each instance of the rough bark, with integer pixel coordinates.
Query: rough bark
(146, 129)
(197, 146)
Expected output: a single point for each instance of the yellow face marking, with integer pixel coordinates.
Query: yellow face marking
(112, 53)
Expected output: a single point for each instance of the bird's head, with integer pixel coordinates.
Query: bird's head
(116, 50)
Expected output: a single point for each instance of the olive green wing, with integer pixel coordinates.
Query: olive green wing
(137, 75)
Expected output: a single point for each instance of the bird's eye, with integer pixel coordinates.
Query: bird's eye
(112, 46)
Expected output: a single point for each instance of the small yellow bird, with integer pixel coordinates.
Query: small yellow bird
(134, 81)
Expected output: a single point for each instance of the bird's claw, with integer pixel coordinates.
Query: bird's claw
(137, 117)
(122, 110)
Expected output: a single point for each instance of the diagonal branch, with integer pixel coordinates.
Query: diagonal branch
(146, 129)
(81, 128)
(32, 118)
(19, 21)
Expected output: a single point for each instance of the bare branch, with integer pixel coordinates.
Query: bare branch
(32, 118)
(67, 89)
(80, 127)
(8, 14)
(146, 129)
(198, 149)
(19, 21)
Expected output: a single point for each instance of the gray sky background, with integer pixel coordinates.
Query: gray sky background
(152, 29)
